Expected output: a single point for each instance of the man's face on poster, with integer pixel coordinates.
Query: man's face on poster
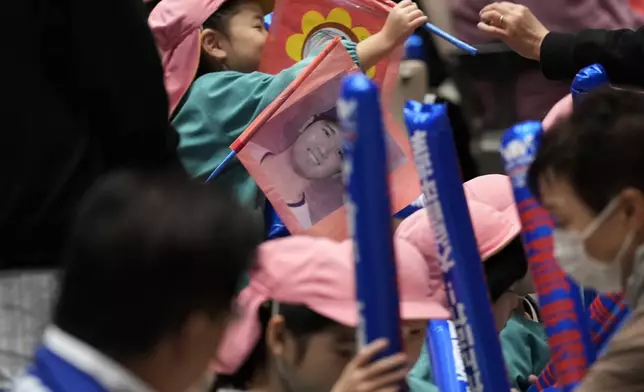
(317, 152)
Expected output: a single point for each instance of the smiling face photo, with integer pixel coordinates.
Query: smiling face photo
(317, 151)
(307, 172)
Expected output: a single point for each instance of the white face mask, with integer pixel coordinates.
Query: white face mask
(589, 272)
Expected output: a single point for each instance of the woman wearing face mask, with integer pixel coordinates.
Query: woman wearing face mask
(589, 173)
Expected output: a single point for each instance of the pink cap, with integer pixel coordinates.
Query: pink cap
(562, 109)
(492, 211)
(176, 26)
(494, 190)
(317, 273)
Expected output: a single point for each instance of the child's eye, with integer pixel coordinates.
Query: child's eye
(415, 332)
(340, 153)
(326, 132)
(346, 353)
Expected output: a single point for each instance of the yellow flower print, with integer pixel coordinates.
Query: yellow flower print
(336, 24)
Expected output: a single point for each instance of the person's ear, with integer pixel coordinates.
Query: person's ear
(213, 43)
(276, 335)
(633, 200)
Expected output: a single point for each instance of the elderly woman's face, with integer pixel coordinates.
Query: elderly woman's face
(571, 214)
(317, 152)
(596, 249)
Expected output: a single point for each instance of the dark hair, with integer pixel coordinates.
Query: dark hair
(149, 5)
(598, 150)
(299, 320)
(505, 268)
(146, 252)
(220, 22)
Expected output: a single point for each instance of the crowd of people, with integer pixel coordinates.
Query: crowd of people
(121, 269)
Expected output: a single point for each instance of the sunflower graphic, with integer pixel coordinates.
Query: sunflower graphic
(336, 24)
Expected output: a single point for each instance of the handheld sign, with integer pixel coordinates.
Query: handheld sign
(369, 211)
(437, 164)
(561, 306)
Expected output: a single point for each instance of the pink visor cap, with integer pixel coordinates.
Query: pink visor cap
(317, 273)
(494, 190)
(492, 212)
(176, 25)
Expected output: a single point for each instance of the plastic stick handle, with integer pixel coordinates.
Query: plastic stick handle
(451, 39)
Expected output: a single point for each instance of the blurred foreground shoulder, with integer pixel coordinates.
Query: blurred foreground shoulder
(620, 368)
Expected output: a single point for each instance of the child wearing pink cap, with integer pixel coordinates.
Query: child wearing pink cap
(210, 51)
(497, 227)
(296, 329)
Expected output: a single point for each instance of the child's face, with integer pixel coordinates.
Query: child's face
(413, 333)
(327, 353)
(241, 48)
(317, 152)
(503, 307)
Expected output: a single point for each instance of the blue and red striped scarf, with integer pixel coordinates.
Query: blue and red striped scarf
(606, 312)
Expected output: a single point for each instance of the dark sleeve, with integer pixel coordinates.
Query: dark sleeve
(621, 52)
(120, 75)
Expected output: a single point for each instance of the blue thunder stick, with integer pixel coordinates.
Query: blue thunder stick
(560, 300)
(369, 211)
(587, 79)
(447, 364)
(437, 165)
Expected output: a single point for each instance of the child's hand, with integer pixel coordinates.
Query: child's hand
(362, 375)
(402, 21)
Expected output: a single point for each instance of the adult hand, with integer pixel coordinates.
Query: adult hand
(516, 25)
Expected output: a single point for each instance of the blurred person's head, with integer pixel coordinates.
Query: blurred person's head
(497, 227)
(197, 37)
(588, 172)
(298, 329)
(233, 37)
(150, 4)
(317, 152)
(151, 269)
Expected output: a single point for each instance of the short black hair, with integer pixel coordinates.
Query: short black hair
(299, 320)
(150, 5)
(599, 149)
(505, 268)
(146, 252)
